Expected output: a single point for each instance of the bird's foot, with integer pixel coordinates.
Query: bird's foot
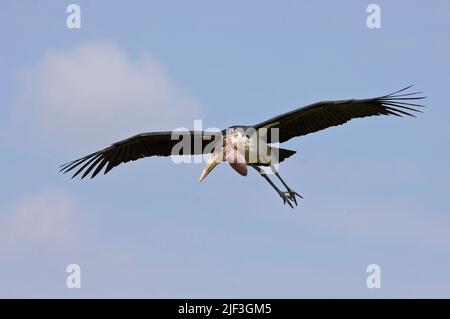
(286, 198)
(291, 194)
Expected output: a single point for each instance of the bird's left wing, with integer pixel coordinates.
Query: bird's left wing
(139, 146)
(321, 115)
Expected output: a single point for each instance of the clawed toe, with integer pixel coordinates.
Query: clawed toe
(289, 197)
(292, 194)
(286, 199)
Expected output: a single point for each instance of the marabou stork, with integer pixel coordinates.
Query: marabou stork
(236, 146)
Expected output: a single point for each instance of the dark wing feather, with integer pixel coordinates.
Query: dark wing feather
(136, 147)
(321, 115)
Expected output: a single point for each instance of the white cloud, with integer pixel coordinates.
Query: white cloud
(45, 221)
(94, 94)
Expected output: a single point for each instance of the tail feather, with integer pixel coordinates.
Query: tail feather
(282, 154)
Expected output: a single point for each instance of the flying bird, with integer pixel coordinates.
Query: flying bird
(245, 146)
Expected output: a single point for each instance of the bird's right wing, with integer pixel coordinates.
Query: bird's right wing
(139, 146)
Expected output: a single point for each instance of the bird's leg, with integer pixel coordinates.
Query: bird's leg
(291, 193)
(283, 195)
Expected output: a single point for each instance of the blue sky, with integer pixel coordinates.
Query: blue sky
(375, 190)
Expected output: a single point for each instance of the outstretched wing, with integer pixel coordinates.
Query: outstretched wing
(321, 115)
(136, 147)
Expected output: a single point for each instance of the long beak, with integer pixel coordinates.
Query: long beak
(208, 168)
